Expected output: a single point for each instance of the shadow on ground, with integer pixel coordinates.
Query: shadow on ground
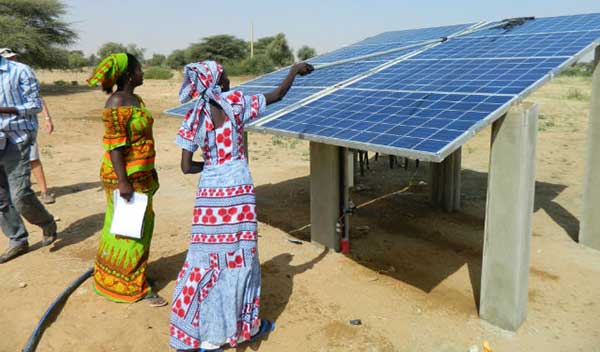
(402, 235)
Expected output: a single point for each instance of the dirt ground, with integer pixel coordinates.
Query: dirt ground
(412, 278)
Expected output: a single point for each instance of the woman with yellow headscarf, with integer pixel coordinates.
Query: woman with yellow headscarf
(127, 166)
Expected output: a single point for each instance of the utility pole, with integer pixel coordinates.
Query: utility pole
(251, 39)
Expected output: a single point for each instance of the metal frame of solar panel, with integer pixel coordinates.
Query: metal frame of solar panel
(305, 87)
(427, 100)
(428, 105)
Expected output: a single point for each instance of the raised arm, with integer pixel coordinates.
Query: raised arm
(278, 93)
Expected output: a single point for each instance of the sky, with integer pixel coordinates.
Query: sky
(163, 26)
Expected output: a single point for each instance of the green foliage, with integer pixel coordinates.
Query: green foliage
(61, 83)
(260, 46)
(259, 64)
(93, 60)
(305, 53)
(76, 59)
(578, 70)
(34, 29)
(177, 59)
(279, 51)
(112, 48)
(157, 60)
(576, 94)
(156, 72)
(217, 47)
(233, 53)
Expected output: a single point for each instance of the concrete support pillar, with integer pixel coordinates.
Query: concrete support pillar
(247, 146)
(508, 217)
(445, 182)
(589, 233)
(324, 194)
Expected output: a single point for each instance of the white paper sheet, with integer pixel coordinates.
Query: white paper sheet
(128, 217)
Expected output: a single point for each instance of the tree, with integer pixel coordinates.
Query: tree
(135, 51)
(76, 59)
(112, 48)
(34, 29)
(177, 59)
(279, 51)
(93, 60)
(257, 65)
(157, 60)
(306, 52)
(260, 46)
(218, 47)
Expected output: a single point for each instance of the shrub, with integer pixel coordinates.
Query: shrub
(158, 73)
(578, 70)
(576, 94)
(60, 83)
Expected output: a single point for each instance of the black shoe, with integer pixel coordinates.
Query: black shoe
(49, 234)
(13, 252)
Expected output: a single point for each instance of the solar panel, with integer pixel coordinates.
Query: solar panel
(561, 24)
(360, 50)
(422, 122)
(414, 35)
(489, 76)
(529, 45)
(427, 100)
(293, 97)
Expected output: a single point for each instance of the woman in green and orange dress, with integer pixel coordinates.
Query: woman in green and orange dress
(127, 166)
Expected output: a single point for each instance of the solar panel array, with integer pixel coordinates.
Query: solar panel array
(428, 104)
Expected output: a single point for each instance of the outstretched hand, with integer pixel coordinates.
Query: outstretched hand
(303, 68)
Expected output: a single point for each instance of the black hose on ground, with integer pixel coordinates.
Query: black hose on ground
(37, 333)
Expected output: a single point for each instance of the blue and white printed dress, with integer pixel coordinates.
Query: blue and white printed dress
(217, 296)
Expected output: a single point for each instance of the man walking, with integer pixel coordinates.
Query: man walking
(37, 169)
(19, 104)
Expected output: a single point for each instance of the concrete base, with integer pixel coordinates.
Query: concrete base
(511, 184)
(247, 146)
(589, 233)
(445, 182)
(324, 194)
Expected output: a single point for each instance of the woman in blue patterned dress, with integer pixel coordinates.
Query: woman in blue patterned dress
(217, 295)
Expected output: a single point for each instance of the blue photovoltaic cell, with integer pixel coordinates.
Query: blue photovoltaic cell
(531, 45)
(320, 78)
(436, 98)
(576, 23)
(490, 76)
(423, 122)
(291, 98)
(360, 50)
(414, 35)
(388, 41)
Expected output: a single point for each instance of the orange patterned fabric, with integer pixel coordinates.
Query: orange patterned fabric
(129, 128)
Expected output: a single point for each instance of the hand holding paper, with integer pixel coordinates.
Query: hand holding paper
(128, 217)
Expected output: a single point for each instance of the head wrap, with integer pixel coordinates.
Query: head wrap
(199, 81)
(109, 70)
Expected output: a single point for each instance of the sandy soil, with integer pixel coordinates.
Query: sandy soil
(412, 277)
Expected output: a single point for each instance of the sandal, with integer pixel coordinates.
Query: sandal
(154, 300)
(266, 327)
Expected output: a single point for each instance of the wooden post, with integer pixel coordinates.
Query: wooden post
(324, 194)
(445, 182)
(508, 217)
(589, 233)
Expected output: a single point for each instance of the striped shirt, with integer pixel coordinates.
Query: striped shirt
(19, 88)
